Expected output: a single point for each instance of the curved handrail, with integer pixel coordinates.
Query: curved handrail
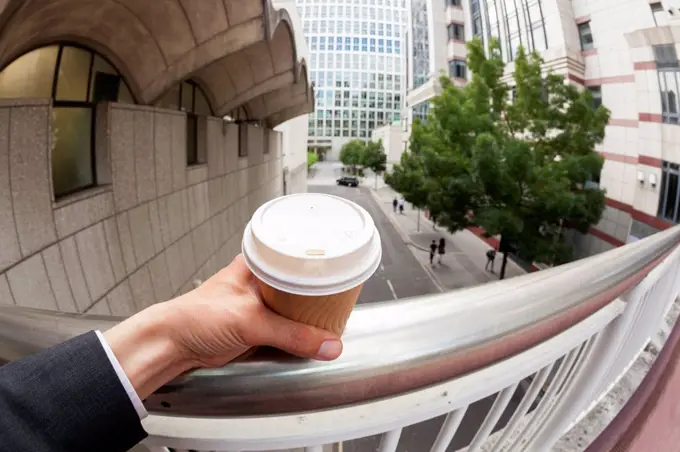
(390, 347)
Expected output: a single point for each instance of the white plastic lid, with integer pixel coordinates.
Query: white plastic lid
(312, 244)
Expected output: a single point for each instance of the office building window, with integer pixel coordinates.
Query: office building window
(361, 56)
(75, 79)
(457, 69)
(457, 32)
(665, 56)
(512, 23)
(668, 72)
(586, 36)
(596, 92)
(669, 196)
(659, 14)
(453, 2)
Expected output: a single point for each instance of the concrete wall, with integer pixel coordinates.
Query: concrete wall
(145, 237)
(394, 139)
(438, 22)
(294, 149)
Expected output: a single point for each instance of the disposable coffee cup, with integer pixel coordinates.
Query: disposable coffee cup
(311, 254)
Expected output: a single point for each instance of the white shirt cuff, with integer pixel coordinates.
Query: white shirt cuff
(132, 394)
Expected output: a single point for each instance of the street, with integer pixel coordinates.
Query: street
(401, 276)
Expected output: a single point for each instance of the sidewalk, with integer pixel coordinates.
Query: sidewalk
(465, 258)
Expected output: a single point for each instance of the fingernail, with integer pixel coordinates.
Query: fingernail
(329, 350)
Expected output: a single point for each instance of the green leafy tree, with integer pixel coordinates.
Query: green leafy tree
(374, 158)
(312, 158)
(352, 155)
(517, 165)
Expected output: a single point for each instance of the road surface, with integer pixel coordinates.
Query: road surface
(402, 276)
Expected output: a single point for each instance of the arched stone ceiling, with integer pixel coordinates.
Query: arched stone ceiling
(238, 50)
(276, 106)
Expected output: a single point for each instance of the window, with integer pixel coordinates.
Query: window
(596, 92)
(243, 139)
(669, 196)
(665, 56)
(75, 79)
(457, 69)
(668, 73)
(457, 32)
(586, 36)
(189, 98)
(659, 15)
(453, 2)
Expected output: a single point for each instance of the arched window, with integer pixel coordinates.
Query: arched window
(189, 98)
(75, 79)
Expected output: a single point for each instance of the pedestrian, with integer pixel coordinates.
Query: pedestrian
(433, 251)
(394, 204)
(441, 249)
(401, 206)
(490, 258)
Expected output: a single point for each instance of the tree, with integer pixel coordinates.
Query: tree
(352, 155)
(374, 158)
(312, 158)
(516, 167)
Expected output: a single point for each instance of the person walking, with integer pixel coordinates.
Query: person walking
(401, 205)
(441, 249)
(394, 204)
(490, 259)
(433, 251)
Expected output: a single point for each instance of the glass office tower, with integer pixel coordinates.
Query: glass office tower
(358, 65)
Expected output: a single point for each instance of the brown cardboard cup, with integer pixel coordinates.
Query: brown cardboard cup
(329, 312)
(312, 254)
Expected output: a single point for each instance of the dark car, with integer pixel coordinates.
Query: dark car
(349, 181)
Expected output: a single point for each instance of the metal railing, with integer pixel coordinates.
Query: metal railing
(570, 331)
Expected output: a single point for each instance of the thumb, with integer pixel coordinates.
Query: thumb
(297, 338)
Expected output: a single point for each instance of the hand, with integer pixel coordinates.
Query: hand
(225, 317)
(209, 327)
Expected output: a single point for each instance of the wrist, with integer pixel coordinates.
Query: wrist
(146, 351)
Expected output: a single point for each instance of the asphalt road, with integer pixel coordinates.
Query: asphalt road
(401, 276)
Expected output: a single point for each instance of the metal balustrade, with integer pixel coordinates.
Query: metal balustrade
(548, 345)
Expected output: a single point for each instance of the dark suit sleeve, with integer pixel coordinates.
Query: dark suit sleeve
(66, 398)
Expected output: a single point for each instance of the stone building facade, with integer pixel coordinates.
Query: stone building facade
(123, 183)
(626, 54)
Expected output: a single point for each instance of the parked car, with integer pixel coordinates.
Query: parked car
(348, 181)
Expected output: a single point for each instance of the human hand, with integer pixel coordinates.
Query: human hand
(224, 317)
(209, 327)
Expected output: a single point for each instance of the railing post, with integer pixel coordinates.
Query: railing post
(616, 346)
(390, 440)
(448, 430)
